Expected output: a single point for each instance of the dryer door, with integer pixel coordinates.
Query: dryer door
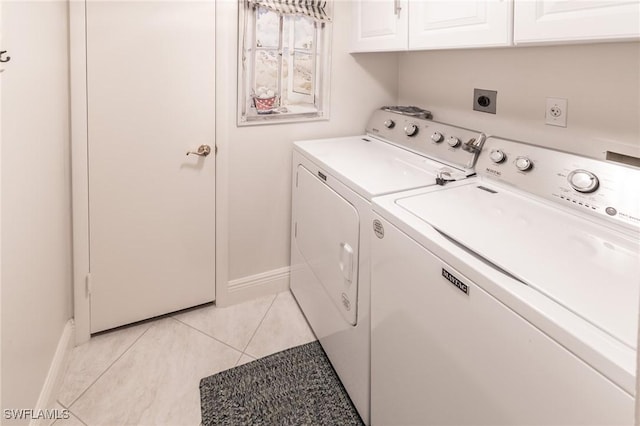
(327, 235)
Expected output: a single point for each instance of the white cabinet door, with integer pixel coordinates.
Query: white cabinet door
(459, 24)
(549, 21)
(379, 25)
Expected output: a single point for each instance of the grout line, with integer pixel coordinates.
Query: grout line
(259, 324)
(110, 365)
(71, 412)
(238, 360)
(79, 419)
(253, 358)
(208, 335)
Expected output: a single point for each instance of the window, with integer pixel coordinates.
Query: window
(284, 60)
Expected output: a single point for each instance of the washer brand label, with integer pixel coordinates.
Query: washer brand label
(493, 172)
(378, 229)
(484, 188)
(453, 280)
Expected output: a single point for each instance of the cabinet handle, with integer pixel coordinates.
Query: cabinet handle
(396, 7)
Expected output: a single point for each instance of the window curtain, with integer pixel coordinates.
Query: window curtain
(315, 9)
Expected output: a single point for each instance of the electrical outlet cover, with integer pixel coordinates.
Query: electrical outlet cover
(485, 100)
(556, 112)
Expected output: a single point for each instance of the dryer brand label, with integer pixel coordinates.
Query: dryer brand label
(378, 229)
(346, 302)
(455, 281)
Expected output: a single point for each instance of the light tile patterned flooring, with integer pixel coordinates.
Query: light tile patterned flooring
(148, 374)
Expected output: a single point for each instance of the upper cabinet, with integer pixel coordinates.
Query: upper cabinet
(562, 21)
(383, 25)
(459, 24)
(380, 25)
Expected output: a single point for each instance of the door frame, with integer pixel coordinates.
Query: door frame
(80, 177)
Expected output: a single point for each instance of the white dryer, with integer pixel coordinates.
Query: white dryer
(510, 298)
(332, 185)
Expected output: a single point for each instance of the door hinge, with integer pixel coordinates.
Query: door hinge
(88, 285)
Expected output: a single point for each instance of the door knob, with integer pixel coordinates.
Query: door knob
(203, 151)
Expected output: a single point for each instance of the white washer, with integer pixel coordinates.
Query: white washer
(333, 183)
(510, 298)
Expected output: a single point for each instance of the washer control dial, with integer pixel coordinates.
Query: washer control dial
(411, 129)
(583, 181)
(523, 164)
(497, 156)
(389, 124)
(437, 137)
(453, 142)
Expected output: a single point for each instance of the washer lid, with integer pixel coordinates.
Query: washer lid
(372, 167)
(589, 269)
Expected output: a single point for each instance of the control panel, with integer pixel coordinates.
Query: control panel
(451, 145)
(605, 189)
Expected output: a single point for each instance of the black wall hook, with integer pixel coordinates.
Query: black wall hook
(7, 59)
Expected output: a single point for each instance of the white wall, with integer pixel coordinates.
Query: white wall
(601, 82)
(36, 211)
(258, 158)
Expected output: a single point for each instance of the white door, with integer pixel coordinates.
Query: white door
(379, 25)
(458, 24)
(327, 232)
(150, 99)
(560, 21)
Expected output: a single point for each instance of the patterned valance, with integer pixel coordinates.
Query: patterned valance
(315, 9)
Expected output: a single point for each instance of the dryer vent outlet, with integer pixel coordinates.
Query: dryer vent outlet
(485, 100)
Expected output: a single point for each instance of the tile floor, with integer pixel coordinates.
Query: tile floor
(149, 374)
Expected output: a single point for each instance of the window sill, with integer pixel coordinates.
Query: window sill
(294, 114)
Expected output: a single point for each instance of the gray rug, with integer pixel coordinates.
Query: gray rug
(293, 387)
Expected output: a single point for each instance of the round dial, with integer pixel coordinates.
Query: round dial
(497, 156)
(437, 137)
(389, 124)
(523, 164)
(453, 141)
(583, 181)
(411, 129)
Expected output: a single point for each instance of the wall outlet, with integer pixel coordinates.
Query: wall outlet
(485, 100)
(556, 112)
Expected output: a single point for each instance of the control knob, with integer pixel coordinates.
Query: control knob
(497, 156)
(389, 124)
(583, 181)
(523, 164)
(453, 141)
(437, 137)
(411, 129)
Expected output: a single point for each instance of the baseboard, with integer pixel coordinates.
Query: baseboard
(53, 381)
(254, 286)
